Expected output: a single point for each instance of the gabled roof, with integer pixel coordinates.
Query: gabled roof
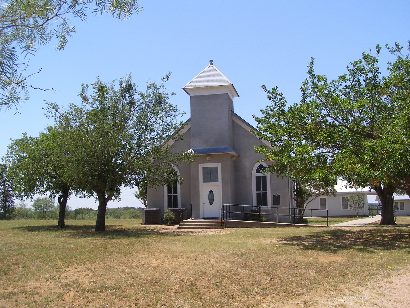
(235, 117)
(248, 127)
(212, 81)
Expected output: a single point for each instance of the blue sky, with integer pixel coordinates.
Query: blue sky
(252, 43)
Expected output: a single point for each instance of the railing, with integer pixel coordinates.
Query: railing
(251, 212)
(298, 214)
(262, 213)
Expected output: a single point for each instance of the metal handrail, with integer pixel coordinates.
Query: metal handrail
(243, 209)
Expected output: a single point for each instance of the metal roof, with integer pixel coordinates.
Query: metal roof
(211, 77)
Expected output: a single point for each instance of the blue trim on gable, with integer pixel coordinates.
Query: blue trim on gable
(215, 150)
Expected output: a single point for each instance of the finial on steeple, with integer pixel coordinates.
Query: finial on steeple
(211, 62)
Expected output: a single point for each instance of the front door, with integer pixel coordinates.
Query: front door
(210, 190)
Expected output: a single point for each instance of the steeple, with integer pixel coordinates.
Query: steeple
(211, 101)
(210, 81)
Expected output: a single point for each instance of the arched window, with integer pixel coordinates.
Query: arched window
(172, 190)
(172, 195)
(261, 185)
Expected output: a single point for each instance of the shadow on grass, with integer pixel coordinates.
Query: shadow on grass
(87, 231)
(369, 240)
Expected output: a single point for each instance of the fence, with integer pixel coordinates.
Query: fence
(265, 214)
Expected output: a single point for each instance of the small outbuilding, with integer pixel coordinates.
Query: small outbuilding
(347, 201)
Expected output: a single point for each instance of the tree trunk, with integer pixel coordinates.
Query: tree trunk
(62, 204)
(102, 208)
(300, 201)
(387, 201)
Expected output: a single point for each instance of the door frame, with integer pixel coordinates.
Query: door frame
(219, 183)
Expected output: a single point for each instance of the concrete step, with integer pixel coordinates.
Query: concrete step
(193, 224)
(199, 227)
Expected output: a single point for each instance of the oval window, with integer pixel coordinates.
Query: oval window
(211, 197)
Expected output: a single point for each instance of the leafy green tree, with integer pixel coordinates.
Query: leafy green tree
(118, 136)
(44, 207)
(356, 202)
(287, 130)
(6, 194)
(38, 166)
(358, 124)
(27, 24)
(142, 190)
(366, 115)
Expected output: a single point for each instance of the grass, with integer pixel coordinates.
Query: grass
(332, 220)
(133, 265)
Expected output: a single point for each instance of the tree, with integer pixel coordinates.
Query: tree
(359, 124)
(142, 190)
(6, 194)
(43, 207)
(288, 131)
(39, 166)
(27, 24)
(118, 139)
(356, 203)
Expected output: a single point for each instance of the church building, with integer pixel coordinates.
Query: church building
(226, 168)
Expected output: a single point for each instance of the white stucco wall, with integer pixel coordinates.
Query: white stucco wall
(406, 211)
(334, 206)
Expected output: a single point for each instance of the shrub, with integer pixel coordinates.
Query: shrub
(169, 218)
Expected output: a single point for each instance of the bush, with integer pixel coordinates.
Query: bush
(124, 213)
(23, 212)
(84, 213)
(169, 218)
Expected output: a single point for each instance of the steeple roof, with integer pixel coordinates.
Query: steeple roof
(210, 81)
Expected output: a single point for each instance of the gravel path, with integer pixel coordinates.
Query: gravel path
(359, 222)
(390, 292)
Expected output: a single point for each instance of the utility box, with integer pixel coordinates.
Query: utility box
(151, 216)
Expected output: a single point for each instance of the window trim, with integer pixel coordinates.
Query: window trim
(178, 192)
(268, 185)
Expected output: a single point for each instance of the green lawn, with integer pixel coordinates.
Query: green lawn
(132, 265)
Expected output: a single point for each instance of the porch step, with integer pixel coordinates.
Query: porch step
(194, 224)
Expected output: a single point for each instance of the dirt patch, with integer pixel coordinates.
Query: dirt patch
(381, 292)
(175, 230)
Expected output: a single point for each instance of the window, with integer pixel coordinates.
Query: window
(172, 194)
(399, 206)
(261, 168)
(276, 200)
(345, 203)
(261, 187)
(209, 174)
(322, 203)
